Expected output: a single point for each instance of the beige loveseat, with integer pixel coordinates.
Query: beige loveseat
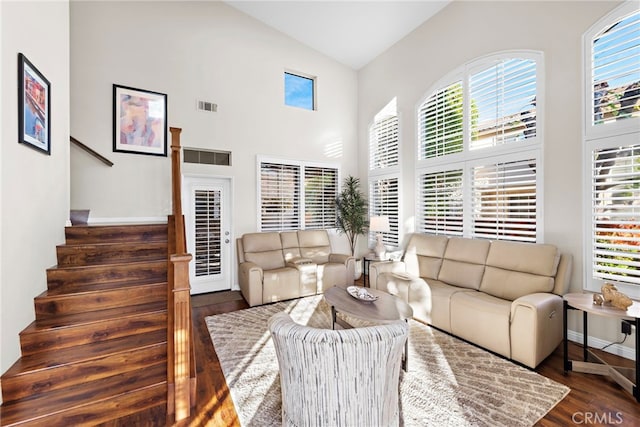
(503, 296)
(276, 266)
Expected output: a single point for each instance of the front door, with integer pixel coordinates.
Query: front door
(207, 211)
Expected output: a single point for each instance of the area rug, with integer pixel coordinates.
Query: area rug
(449, 382)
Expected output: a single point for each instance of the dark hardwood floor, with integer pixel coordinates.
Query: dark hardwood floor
(593, 400)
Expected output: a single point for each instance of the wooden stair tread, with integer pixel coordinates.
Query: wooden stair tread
(116, 233)
(76, 354)
(84, 268)
(70, 291)
(71, 320)
(84, 394)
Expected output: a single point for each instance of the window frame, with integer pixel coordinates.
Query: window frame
(314, 89)
(382, 173)
(301, 164)
(468, 158)
(597, 137)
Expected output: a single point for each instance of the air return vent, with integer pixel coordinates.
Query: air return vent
(207, 106)
(207, 157)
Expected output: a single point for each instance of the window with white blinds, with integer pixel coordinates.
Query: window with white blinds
(320, 191)
(615, 71)
(279, 197)
(383, 138)
(616, 214)
(612, 160)
(479, 150)
(440, 203)
(504, 201)
(384, 201)
(440, 120)
(208, 235)
(503, 102)
(297, 196)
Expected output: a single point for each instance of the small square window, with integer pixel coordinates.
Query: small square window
(299, 91)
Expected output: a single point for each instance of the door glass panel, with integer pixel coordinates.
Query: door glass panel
(207, 232)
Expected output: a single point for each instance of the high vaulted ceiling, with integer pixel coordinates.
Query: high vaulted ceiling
(351, 32)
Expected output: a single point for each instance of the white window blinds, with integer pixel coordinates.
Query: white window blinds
(383, 143)
(441, 203)
(384, 201)
(504, 201)
(503, 103)
(615, 71)
(440, 120)
(616, 214)
(280, 197)
(207, 232)
(320, 191)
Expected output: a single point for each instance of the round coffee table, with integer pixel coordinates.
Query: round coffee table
(386, 309)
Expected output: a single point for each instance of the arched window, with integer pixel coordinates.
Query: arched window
(612, 150)
(479, 139)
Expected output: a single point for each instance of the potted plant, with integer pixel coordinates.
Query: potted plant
(351, 213)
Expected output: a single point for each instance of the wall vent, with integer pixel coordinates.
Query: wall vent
(207, 157)
(207, 106)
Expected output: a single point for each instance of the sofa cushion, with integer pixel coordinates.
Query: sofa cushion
(314, 244)
(423, 256)
(280, 284)
(290, 246)
(263, 249)
(510, 285)
(463, 263)
(541, 259)
(440, 295)
(483, 320)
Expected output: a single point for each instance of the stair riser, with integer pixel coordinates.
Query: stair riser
(114, 234)
(75, 277)
(79, 255)
(106, 398)
(59, 377)
(53, 305)
(52, 339)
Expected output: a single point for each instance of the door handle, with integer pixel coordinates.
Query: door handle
(226, 240)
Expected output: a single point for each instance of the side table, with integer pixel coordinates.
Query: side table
(366, 263)
(584, 303)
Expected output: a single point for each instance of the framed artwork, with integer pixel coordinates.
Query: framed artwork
(34, 107)
(139, 121)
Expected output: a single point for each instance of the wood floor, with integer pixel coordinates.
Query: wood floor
(593, 400)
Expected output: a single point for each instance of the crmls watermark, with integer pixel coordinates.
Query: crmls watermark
(610, 418)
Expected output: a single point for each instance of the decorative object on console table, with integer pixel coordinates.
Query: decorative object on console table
(34, 107)
(379, 224)
(139, 121)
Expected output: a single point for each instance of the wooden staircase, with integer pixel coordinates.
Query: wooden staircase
(97, 351)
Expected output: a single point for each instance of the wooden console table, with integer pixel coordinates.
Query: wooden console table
(584, 303)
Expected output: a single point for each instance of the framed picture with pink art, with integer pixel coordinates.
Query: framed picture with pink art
(139, 121)
(34, 107)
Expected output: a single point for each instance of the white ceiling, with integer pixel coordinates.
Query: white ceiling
(351, 32)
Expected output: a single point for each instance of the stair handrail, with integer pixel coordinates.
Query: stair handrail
(91, 151)
(181, 378)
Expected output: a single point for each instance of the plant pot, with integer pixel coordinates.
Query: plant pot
(358, 269)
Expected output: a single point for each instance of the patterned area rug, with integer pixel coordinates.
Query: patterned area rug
(449, 382)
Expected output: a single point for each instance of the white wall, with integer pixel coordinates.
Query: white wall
(197, 50)
(464, 31)
(34, 187)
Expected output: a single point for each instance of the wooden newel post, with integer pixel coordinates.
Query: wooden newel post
(180, 360)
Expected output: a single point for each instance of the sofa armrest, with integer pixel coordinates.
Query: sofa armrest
(377, 268)
(536, 327)
(350, 264)
(250, 276)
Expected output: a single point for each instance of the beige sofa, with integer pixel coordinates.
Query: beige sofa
(503, 296)
(276, 266)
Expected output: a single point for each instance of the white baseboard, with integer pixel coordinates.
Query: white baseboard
(129, 220)
(617, 349)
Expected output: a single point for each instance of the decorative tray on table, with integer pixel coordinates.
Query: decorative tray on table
(360, 293)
